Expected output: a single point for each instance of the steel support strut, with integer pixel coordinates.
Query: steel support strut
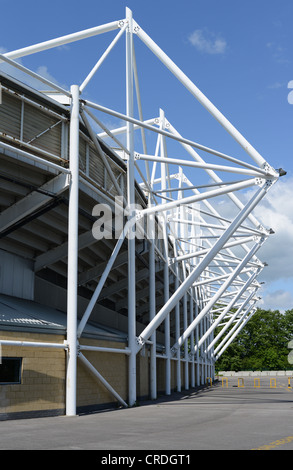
(166, 264)
(238, 322)
(233, 317)
(200, 97)
(240, 325)
(131, 202)
(72, 276)
(231, 303)
(161, 315)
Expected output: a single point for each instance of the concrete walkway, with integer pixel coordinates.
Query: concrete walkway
(211, 418)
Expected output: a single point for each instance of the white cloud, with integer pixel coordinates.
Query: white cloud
(277, 300)
(207, 42)
(275, 86)
(276, 212)
(42, 70)
(279, 53)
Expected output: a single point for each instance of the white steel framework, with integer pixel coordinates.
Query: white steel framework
(211, 258)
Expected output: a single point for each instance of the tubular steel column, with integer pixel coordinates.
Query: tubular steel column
(167, 320)
(72, 280)
(166, 265)
(152, 308)
(192, 343)
(177, 317)
(185, 315)
(177, 323)
(130, 202)
(186, 359)
(201, 331)
(197, 335)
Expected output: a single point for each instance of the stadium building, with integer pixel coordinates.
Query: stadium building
(120, 279)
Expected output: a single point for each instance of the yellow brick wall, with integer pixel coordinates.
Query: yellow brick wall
(44, 375)
(43, 380)
(42, 384)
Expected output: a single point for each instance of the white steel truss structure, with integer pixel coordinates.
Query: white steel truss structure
(208, 257)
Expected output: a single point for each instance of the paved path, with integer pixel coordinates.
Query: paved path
(213, 418)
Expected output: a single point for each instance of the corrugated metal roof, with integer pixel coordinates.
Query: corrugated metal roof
(27, 315)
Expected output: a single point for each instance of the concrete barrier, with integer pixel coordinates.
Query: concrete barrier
(262, 373)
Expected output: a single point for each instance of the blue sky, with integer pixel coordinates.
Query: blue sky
(238, 53)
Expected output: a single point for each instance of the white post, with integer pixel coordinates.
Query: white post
(192, 344)
(202, 368)
(183, 235)
(186, 358)
(177, 328)
(72, 276)
(177, 322)
(193, 310)
(166, 264)
(177, 306)
(167, 320)
(196, 310)
(152, 307)
(130, 202)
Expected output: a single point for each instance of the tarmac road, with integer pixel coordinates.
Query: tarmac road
(211, 418)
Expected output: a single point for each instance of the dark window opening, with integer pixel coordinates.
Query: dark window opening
(10, 370)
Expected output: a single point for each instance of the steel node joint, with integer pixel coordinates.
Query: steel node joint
(136, 27)
(69, 348)
(269, 182)
(259, 181)
(265, 232)
(265, 182)
(164, 123)
(140, 341)
(122, 23)
(138, 215)
(270, 171)
(173, 350)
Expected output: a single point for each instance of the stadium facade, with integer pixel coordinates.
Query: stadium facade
(120, 278)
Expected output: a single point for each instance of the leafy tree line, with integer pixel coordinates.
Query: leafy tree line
(262, 344)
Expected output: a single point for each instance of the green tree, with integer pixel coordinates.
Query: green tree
(262, 343)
